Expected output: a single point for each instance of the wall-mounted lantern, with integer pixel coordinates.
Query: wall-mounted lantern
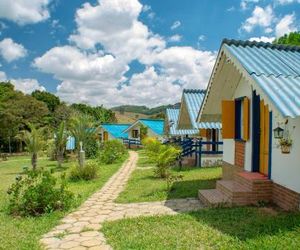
(278, 133)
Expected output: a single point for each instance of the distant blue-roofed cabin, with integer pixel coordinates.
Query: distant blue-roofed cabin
(113, 131)
(171, 122)
(255, 91)
(191, 102)
(155, 128)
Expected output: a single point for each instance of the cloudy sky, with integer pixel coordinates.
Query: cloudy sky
(116, 52)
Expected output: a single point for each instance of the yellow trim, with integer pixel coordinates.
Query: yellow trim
(228, 119)
(264, 138)
(246, 118)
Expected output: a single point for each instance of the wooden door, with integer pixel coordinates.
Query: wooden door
(264, 138)
(105, 136)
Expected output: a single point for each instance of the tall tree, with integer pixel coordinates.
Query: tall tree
(60, 140)
(292, 38)
(34, 143)
(82, 128)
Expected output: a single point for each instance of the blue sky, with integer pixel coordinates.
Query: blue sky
(115, 52)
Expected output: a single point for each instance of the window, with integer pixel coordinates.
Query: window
(239, 119)
(135, 133)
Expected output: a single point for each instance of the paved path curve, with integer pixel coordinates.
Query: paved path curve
(80, 229)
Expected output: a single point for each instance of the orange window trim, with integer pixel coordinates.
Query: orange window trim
(228, 119)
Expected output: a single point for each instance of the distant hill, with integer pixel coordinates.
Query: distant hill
(128, 117)
(143, 109)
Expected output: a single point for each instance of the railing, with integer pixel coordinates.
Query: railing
(192, 147)
(130, 142)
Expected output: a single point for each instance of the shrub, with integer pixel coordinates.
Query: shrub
(37, 193)
(88, 172)
(112, 151)
(162, 155)
(92, 148)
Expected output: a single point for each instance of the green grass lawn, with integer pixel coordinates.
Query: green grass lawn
(24, 233)
(233, 228)
(144, 186)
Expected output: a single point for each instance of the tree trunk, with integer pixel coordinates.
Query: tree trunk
(60, 157)
(34, 161)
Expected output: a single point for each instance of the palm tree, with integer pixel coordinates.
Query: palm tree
(60, 140)
(82, 128)
(34, 144)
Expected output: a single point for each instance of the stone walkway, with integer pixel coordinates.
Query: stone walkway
(80, 230)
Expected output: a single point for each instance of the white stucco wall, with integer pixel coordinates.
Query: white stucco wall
(110, 137)
(150, 133)
(243, 89)
(286, 167)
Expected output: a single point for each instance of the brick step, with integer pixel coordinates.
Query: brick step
(233, 189)
(213, 198)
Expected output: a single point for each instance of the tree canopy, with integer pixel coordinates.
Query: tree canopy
(41, 109)
(292, 38)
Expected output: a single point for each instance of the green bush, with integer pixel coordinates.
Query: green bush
(37, 193)
(112, 151)
(88, 172)
(163, 156)
(92, 148)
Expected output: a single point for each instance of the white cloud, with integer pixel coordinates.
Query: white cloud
(201, 38)
(286, 25)
(115, 25)
(24, 11)
(175, 38)
(27, 86)
(244, 3)
(11, 51)
(232, 8)
(261, 17)
(98, 77)
(2, 76)
(175, 25)
(262, 39)
(146, 8)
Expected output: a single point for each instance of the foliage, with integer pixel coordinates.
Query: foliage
(143, 131)
(92, 148)
(292, 38)
(34, 143)
(164, 156)
(88, 172)
(49, 99)
(82, 128)
(37, 193)
(112, 151)
(17, 110)
(286, 142)
(98, 114)
(60, 141)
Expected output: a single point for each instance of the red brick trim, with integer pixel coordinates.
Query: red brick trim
(239, 153)
(285, 198)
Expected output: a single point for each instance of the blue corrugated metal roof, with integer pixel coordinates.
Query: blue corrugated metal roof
(194, 99)
(173, 115)
(276, 70)
(157, 126)
(116, 130)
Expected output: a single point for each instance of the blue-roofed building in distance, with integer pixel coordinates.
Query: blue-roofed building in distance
(191, 103)
(111, 131)
(254, 90)
(171, 122)
(154, 128)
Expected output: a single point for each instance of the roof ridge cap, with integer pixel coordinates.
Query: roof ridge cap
(245, 43)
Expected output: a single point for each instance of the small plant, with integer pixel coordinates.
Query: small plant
(88, 172)
(37, 193)
(112, 151)
(285, 145)
(163, 156)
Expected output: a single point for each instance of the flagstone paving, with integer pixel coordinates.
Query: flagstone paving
(80, 229)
